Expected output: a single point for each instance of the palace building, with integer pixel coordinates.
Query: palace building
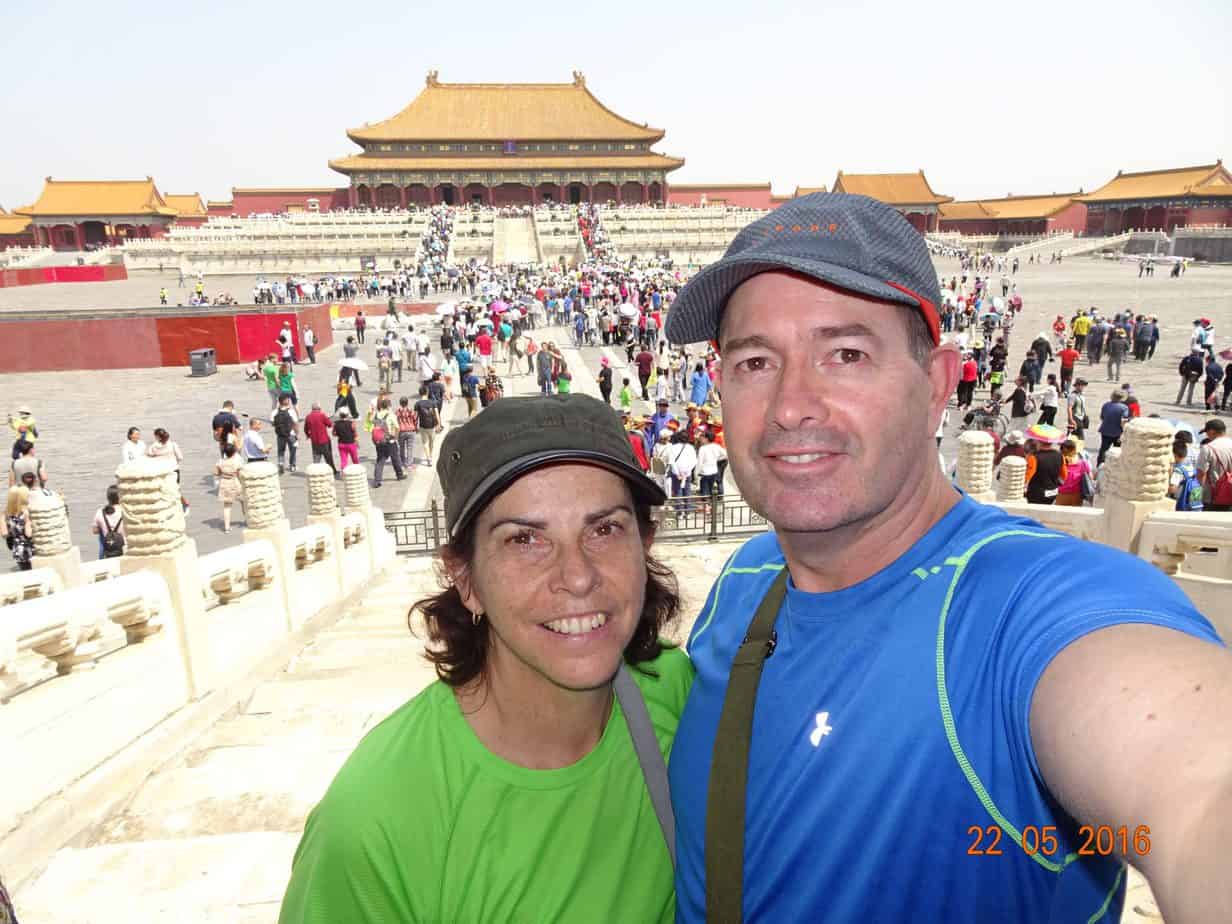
(74, 214)
(1015, 215)
(909, 193)
(1160, 200)
(505, 144)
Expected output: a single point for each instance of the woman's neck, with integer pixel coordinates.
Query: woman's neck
(524, 718)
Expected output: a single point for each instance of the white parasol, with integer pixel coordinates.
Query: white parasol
(447, 308)
(628, 311)
(353, 362)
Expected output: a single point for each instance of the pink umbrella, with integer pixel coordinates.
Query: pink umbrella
(498, 306)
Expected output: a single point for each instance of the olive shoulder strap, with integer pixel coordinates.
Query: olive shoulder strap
(729, 763)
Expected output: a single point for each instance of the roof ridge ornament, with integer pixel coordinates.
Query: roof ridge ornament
(579, 79)
(431, 80)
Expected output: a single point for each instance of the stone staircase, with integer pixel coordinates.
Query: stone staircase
(1092, 244)
(1047, 244)
(514, 241)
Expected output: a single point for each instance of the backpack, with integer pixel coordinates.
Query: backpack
(1189, 491)
(378, 434)
(113, 539)
(1221, 490)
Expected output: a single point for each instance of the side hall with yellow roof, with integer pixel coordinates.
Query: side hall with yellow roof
(83, 214)
(505, 144)
(15, 231)
(1016, 215)
(1160, 200)
(909, 193)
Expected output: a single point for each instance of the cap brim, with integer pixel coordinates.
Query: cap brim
(697, 310)
(642, 487)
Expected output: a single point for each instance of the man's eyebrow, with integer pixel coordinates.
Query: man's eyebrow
(826, 332)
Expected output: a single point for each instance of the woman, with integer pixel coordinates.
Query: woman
(133, 448)
(699, 385)
(164, 447)
(1046, 470)
(348, 443)
(510, 790)
(15, 528)
(682, 459)
(286, 383)
(227, 471)
(1069, 494)
(109, 526)
(605, 379)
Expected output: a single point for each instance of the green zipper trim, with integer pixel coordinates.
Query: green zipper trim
(718, 586)
(947, 717)
(1103, 909)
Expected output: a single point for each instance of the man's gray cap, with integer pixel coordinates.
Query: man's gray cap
(851, 242)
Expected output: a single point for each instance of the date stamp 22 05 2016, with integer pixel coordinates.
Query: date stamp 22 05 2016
(1097, 841)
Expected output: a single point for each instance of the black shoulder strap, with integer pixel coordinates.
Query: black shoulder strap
(729, 764)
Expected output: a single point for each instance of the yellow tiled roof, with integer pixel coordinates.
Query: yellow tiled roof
(511, 162)
(13, 224)
(99, 197)
(219, 203)
(805, 190)
(890, 188)
(188, 205)
(1160, 184)
(1009, 208)
(1215, 191)
(505, 112)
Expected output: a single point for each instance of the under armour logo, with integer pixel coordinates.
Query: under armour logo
(823, 728)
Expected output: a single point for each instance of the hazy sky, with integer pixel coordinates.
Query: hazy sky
(988, 98)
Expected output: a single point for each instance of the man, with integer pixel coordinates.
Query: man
(1081, 327)
(286, 340)
(1095, 340)
(662, 416)
(1215, 467)
(1144, 334)
(1214, 375)
(254, 448)
(317, 427)
(429, 421)
(350, 350)
(1068, 357)
(1078, 421)
(286, 432)
(361, 325)
(1191, 370)
(269, 369)
(309, 338)
(919, 692)
(1118, 347)
(162, 295)
(225, 426)
(543, 369)
(26, 469)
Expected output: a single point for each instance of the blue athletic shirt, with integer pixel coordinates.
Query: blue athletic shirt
(892, 720)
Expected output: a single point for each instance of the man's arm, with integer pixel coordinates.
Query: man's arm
(1131, 726)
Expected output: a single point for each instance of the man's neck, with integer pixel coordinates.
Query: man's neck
(524, 718)
(821, 562)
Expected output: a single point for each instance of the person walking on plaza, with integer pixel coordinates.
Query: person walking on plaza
(429, 422)
(361, 325)
(1095, 340)
(27, 469)
(1183, 482)
(408, 426)
(1068, 357)
(309, 338)
(385, 442)
(1081, 326)
(15, 529)
(1021, 405)
(350, 350)
(645, 361)
(133, 446)
(1215, 467)
(1214, 375)
(164, 447)
(286, 433)
(1118, 348)
(1191, 371)
(24, 427)
(108, 525)
(348, 442)
(254, 448)
(269, 369)
(162, 295)
(225, 426)
(605, 379)
(1050, 401)
(1112, 419)
(227, 478)
(839, 677)
(1077, 419)
(1077, 468)
(317, 427)
(286, 384)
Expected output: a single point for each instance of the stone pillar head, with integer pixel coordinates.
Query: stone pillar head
(150, 502)
(1012, 482)
(49, 524)
(322, 501)
(355, 487)
(975, 461)
(1146, 460)
(262, 494)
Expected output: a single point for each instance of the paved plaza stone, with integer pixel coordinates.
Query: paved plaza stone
(83, 415)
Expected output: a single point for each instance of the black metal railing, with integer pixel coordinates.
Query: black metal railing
(681, 519)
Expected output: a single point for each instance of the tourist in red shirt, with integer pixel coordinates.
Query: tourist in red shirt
(1068, 357)
(483, 343)
(317, 426)
(966, 382)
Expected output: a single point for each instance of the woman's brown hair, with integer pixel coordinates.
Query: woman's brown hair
(459, 648)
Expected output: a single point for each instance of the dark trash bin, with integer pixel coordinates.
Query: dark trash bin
(203, 362)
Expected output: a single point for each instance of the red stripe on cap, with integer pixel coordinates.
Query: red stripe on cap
(927, 308)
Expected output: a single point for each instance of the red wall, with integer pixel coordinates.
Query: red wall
(223, 210)
(259, 201)
(127, 342)
(350, 309)
(46, 274)
(1211, 216)
(1073, 218)
(753, 196)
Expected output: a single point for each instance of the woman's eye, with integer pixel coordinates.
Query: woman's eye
(526, 537)
(609, 528)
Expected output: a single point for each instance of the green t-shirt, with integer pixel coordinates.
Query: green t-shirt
(271, 376)
(424, 824)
